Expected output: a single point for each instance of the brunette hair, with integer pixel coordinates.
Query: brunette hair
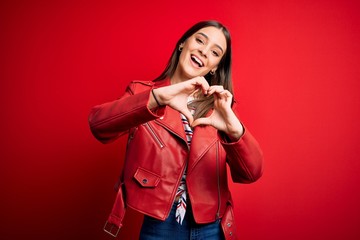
(222, 74)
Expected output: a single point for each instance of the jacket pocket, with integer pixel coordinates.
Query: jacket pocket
(146, 178)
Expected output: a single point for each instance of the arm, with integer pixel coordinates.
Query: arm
(244, 157)
(110, 120)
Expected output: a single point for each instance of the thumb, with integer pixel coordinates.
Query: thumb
(188, 115)
(201, 121)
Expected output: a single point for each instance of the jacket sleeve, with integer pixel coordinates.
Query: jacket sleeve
(244, 157)
(110, 120)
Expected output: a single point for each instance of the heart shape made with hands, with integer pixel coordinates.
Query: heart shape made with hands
(222, 116)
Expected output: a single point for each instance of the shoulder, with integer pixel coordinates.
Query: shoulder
(137, 86)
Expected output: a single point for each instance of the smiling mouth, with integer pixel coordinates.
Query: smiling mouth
(197, 61)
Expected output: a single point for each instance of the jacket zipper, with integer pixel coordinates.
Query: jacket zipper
(183, 169)
(132, 133)
(218, 180)
(153, 134)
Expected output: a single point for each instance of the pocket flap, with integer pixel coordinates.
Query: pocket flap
(146, 178)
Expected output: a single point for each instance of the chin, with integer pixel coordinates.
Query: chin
(192, 74)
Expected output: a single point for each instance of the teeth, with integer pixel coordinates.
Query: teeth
(198, 61)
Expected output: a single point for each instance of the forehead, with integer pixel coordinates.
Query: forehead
(214, 35)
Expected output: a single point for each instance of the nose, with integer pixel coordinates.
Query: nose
(204, 51)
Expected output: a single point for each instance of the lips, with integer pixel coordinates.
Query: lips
(197, 60)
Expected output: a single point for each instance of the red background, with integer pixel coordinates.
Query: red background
(296, 73)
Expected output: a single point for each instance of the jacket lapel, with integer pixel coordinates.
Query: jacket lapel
(204, 137)
(172, 122)
(171, 119)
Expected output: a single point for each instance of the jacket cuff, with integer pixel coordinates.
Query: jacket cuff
(158, 111)
(226, 139)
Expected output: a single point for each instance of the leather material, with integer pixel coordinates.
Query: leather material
(157, 153)
(228, 224)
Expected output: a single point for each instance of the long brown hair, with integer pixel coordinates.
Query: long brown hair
(222, 74)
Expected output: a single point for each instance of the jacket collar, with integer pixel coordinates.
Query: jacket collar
(171, 120)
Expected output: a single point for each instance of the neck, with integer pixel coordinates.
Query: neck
(178, 77)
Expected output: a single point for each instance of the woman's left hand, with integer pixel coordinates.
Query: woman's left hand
(223, 117)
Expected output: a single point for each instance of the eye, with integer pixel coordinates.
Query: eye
(199, 40)
(215, 53)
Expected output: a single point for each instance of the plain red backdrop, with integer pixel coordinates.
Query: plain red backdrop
(296, 73)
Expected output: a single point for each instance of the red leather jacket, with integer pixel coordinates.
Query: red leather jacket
(157, 153)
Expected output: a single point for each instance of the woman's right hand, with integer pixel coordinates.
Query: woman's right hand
(176, 95)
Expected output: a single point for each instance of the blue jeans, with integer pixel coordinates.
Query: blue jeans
(153, 229)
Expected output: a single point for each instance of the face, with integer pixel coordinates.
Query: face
(201, 53)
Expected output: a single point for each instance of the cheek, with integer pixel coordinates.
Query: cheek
(182, 59)
(182, 56)
(213, 63)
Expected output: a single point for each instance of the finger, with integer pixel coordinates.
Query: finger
(188, 116)
(202, 83)
(215, 89)
(201, 121)
(225, 94)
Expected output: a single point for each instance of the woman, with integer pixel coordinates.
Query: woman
(182, 132)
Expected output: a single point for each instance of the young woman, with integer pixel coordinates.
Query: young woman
(182, 131)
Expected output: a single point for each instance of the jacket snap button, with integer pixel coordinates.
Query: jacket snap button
(144, 181)
(228, 224)
(230, 233)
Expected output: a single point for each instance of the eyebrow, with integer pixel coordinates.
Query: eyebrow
(217, 45)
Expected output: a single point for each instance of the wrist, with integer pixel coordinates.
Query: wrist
(156, 98)
(236, 134)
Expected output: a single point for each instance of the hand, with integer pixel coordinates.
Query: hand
(222, 118)
(176, 95)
